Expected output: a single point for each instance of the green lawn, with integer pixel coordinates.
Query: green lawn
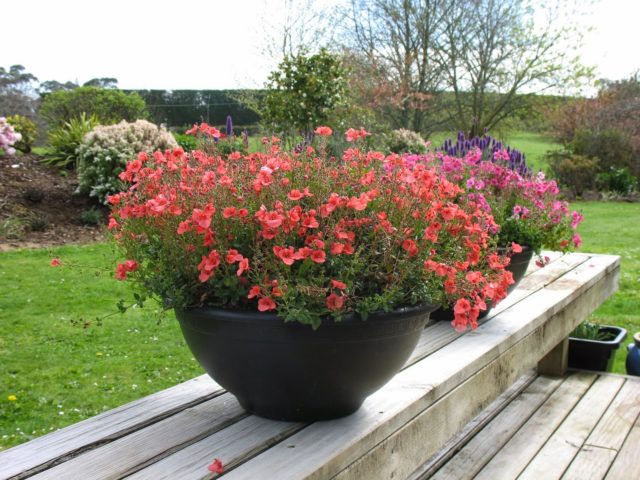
(614, 227)
(60, 373)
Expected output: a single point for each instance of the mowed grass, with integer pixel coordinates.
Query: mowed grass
(60, 374)
(614, 228)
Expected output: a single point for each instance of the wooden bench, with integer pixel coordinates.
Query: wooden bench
(449, 380)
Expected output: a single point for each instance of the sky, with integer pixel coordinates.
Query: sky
(213, 44)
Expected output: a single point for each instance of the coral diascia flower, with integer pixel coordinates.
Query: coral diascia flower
(303, 230)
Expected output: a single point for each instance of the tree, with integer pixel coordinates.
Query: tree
(17, 94)
(304, 92)
(103, 82)
(491, 50)
(53, 86)
(109, 106)
(397, 40)
(464, 62)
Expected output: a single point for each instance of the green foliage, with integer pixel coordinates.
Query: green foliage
(574, 172)
(108, 105)
(405, 141)
(12, 228)
(616, 180)
(186, 142)
(27, 129)
(105, 151)
(306, 91)
(66, 139)
(590, 331)
(92, 217)
(611, 147)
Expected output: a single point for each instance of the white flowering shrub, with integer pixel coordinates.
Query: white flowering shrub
(105, 151)
(405, 141)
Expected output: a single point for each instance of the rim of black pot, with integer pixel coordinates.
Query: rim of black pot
(238, 315)
(621, 334)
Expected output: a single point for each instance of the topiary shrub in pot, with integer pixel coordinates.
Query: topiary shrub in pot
(302, 281)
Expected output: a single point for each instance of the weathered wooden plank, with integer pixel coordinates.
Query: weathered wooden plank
(561, 448)
(523, 446)
(627, 461)
(239, 441)
(329, 446)
(57, 446)
(128, 454)
(398, 455)
(613, 428)
(591, 463)
(483, 446)
(471, 429)
(601, 448)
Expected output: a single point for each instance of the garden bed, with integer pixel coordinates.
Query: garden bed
(38, 207)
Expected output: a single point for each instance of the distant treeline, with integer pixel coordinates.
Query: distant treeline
(178, 108)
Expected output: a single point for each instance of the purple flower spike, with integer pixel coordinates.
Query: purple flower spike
(229, 126)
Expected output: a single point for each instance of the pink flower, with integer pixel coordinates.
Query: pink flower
(323, 131)
(216, 467)
(335, 302)
(56, 262)
(338, 284)
(265, 304)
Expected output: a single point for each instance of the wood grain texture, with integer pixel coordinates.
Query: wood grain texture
(628, 459)
(525, 444)
(565, 443)
(556, 361)
(458, 442)
(591, 463)
(129, 454)
(236, 443)
(55, 447)
(608, 436)
(613, 428)
(482, 447)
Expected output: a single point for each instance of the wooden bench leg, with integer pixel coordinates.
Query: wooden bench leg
(555, 362)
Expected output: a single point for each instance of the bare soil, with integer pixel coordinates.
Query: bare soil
(38, 207)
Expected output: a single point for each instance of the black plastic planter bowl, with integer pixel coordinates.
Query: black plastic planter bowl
(597, 355)
(517, 266)
(288, 371)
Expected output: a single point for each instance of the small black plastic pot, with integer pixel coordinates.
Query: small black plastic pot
(585, 354)
(517, 266)
(288, 371)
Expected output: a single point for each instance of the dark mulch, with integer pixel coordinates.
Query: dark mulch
(38, 207)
